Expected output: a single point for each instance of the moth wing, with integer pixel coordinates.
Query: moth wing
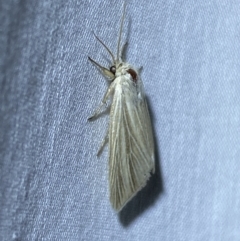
(131, 154)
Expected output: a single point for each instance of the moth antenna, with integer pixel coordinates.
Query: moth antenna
(104, 45)
(122, 52)
(120, 32)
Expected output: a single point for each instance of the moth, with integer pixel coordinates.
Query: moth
(130, 137)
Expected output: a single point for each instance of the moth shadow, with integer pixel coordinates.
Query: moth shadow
(149, 194)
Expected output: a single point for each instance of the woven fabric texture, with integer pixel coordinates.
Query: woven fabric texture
(52, 184)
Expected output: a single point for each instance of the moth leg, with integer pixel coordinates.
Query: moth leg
(104, 101)
(140, 69)
(97, 111)
(104, 141)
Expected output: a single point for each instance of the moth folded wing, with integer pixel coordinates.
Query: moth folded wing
(131, 149)
(149, 133)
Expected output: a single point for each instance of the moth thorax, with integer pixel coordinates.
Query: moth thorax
(133, 74)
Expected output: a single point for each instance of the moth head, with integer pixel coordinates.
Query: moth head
(113, 69)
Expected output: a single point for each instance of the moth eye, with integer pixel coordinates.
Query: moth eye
(133, 74)
(113, 69)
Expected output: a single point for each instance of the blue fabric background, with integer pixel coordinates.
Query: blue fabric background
(53, 187)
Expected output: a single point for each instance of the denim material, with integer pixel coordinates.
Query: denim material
(52, 185)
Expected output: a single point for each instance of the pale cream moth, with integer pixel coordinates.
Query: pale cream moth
(130, 138)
